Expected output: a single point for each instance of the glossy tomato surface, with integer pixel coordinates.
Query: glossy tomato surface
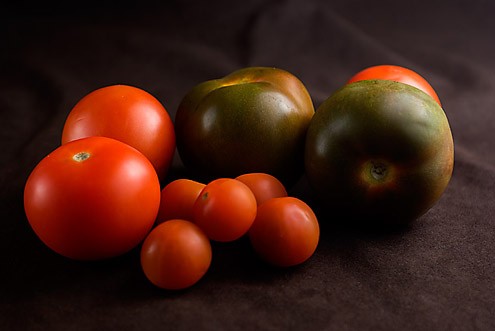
(178, 198)
(379, 150)
(263, 186)
(128, 114)
(225, 209)
(285, 232)
(253, 120)
(175, 255)
(93, 198)
(397, 74)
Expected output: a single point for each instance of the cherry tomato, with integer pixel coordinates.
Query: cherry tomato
(285, 232)
(178, 198)
(397, 74)
(264, 186)
(128, 114)
(225, 209)
(176, 255)
(92, 198)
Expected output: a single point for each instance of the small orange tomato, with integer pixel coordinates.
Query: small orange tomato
(225, 209)
(175, 255)
(177, 199)
(286, 231)
(396, 74)
(264, 186)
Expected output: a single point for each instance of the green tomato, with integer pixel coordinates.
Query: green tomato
(379, 151)
(253, 120)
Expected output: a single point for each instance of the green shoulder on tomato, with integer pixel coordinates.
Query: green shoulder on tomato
(253, 120)
(379, 150)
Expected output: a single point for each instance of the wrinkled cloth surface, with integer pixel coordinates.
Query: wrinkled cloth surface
(438, 274)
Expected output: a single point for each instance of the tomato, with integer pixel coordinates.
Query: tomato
(175, 255)
(128, 114)
(264, 186)
(92, 198)
(177, 199)
(398, 74)
(225, 209)
(379, 151)
(253, 120)
(285, 232)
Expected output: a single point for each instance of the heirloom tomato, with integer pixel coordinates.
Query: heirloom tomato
(379, 150)
(253, 120)
(92, 198)
(397, 74)
(128, 114)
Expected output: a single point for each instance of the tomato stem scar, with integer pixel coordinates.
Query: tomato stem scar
(81, 156)
(378, 170)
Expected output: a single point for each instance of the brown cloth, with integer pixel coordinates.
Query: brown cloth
(438, 274)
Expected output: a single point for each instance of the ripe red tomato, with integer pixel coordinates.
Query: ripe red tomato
(285, 232)
(128, 114)
(225, 209)
(397, 74)
(93, 198)
(176, 255)
(264, 186)
(177, 199)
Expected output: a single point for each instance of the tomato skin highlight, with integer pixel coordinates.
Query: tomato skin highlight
(176, 255)
(264, 186)
(177, 199)
(92, 199)
(252, 120)
(128, 114)
(225, 209)
(397, 74)
(379, 152)
(285, 232)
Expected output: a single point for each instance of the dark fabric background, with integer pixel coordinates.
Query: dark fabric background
(436, 275)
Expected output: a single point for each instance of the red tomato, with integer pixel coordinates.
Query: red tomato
(225, 209)
(398, 74)
(178, 198)
(175, 255)
(286, 231)
(128, 114)
(264, 186)
(93, 198)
